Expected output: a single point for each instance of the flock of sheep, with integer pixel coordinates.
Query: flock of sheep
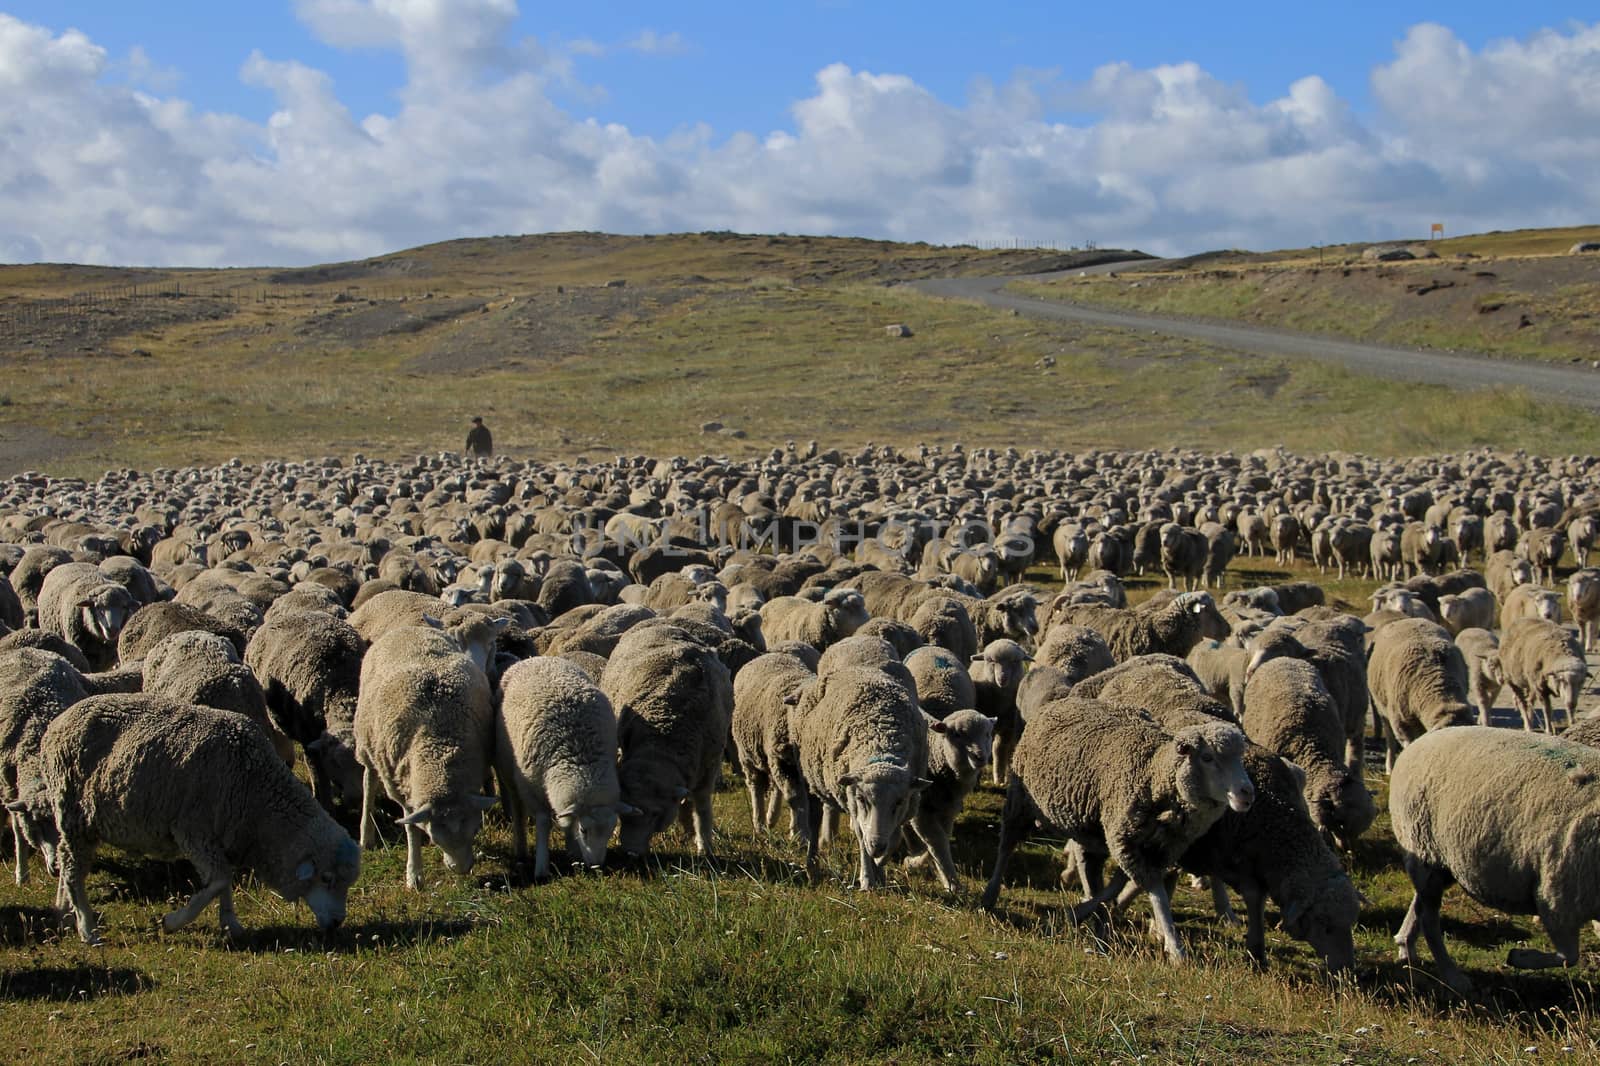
(590, 644)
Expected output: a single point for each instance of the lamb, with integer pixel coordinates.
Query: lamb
(674, 704)
(1530, 601)
(309, 666)
(863, 747)
(765, 748)
(203, 668)
(943, 685)
(1583, 599)
(1117, 785)
(556, 755)
(996, 675)
(1171, 628)
(1479, 647)
(162, 778)
(959, 746)
(841, 612)
(1418, 683)
(1288, 710)
(35, 687)
(424, 735)
(1495, 812)
(1077, 651)
(82, 606)
(1472, 609)
(1539, 659)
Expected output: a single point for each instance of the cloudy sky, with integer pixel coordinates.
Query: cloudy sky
(187, 132)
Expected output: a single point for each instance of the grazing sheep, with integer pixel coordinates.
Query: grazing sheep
(1530, 601)
(1472, 609)
(840, 613)
(996, 675)
(1040, 686)
(35, 687)
(1583, 599)
(1337, 648)
(1418, 682)
(1119, 786)
(203, 668)
(1480, 647)
(959, 746)
(1496, 812)
(1540, 659)
(309, 666)
(674, 704)
(943, 684)
(1297, 596)
(598, 633)
(556, 756)
(765, 748)
(161, 778)
(1288, 710)
(85, 608)
(1171, 628)
(863, 747)
(424, 734)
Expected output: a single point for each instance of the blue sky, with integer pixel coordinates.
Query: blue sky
(1168, 125)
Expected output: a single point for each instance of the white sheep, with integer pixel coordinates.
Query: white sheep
(1539, 659)
(1418, 682)
(1583, 599)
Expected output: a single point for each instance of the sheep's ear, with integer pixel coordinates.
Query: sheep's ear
(431, 622)
(416, 817)
(991, 720)
(1185, 748)
(848, 781)
(500, 624)
(938, 726)
(628, 810)
(305, 871)
(483, 803)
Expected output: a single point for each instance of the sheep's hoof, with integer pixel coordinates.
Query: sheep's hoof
(172, 921)
(1529, 959)
(232, 929)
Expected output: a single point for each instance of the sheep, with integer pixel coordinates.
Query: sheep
(424, 736)
(959, 746)
(1337, 648)
(158, 777)
(1273, 850)
(1496, 812)
(1530, 601)
(203, 668)
(942, 619)
(309, 666)
(863, 748)
(674, 704)
(35, 687)
(1583, 600)
(1504, 571)
(873, 652)
(27, 576)
(1220, 668)
(82, 606)
(1040, 686)
(1401, 601)
(1385, 554)
(556, 756)
(996, 675)
(1288, 710)
(1543, 548)
(1420, 547)
(1285, 535)
(903, 637)
(1010, 615)
(1220, 550)
(1071, 548)
(1540, 659)
(841, 612)
(1254, 533)
(1077, 651)
(1297, 596)
(1171, 628)
(1478, 648)
(1183, 555)
(598, 633)
(943, 685)
(764, 746)
(1418, 683)
(1118, 785)
(1472, 609)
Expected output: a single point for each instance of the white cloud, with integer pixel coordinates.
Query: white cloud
(651, 43)
(1171, 158)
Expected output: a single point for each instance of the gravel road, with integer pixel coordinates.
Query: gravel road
(1566, 383)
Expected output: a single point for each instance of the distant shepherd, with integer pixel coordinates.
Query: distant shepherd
(479, 442)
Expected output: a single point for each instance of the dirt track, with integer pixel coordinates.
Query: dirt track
(1569, 384)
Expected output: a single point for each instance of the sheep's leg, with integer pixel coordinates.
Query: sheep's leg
(517, 813)
(810, 816)
(75, 860)
(21, 844)
(1161, 907)
(1429, 883)
(935, 837)
(775, 797)
(1000, 763)
(1524, 708)
(830, 827)
(1255, 930)
(414, 835)
(702, 822)
(541, 843)
(1222, 904)
(756, 782)
(1016, 822)
(226, 915)
(369, 808)
(1355, 755)
(218, 878)
(1563, 933)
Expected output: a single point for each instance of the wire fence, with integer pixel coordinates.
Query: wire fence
(1030, 244)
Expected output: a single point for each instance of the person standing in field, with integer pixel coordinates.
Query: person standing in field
(479, 442)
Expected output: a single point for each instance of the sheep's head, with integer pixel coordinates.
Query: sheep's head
(453, 825)
(1213, 626)
(1272, 644)
(879, 800)
(1020, 617)
(1323, 915)
(323, 876)
(103, 612)
(1344, 808)
(588, 829)
(1001, 664)
(1565, 683)
(969, 734)
(1583, 589)
(649, 806)
(851, 608)
(1211, 769)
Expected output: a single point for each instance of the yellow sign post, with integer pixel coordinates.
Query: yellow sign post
(1438, 230)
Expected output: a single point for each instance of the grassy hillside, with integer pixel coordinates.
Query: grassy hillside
(1517, 295)
(778, 337)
